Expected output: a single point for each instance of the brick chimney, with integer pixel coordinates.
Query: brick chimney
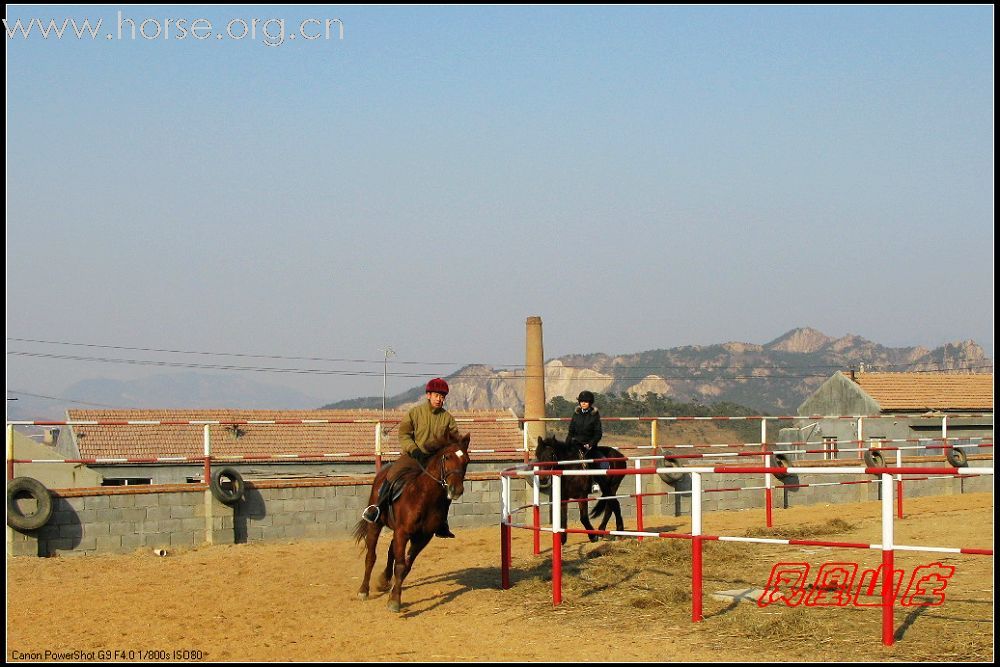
(534, 380)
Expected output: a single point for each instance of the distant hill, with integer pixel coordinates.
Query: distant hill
(774, 377)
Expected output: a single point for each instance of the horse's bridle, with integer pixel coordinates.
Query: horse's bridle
(443, 480)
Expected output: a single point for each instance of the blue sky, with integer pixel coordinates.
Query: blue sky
(641, 177)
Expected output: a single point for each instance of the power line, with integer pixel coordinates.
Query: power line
(703, 373)
(224, 354)
(615, 367)
(59, 398)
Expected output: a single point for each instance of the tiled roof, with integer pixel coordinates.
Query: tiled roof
(928, 391)
(271, 439)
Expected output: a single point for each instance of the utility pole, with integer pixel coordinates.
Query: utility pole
(388, 352)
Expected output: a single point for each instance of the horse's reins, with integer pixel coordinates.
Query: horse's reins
(443, 481)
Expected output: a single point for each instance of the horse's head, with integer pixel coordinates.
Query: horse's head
(453, 461)
(551, 449)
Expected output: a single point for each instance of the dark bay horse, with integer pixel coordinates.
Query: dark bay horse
(414, 517)
(552, 449)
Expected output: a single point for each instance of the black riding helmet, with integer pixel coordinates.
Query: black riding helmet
(585, 397)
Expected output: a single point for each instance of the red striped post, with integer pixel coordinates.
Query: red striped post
(888, 598)
(638, 498)
(536, 520)
(504, 555)
(536, 513)
(556, 539)
(888, 573)
(696, 585)
(505, 532)
(208, 455)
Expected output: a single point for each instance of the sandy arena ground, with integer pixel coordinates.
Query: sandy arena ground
(623, 601)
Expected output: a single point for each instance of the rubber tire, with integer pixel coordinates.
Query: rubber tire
(781, 461)
(25, 522)
(228, 496)
(671, 478)
(957, 458)
(874, 459)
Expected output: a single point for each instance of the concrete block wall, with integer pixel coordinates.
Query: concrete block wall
(116, 523)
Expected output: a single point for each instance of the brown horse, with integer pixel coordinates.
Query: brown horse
(552, 449)
(414, 516)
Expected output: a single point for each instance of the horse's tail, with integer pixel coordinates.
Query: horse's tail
(360, 530)
(600, 507)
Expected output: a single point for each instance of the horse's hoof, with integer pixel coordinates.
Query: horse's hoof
(362, 596)
(394, 605)
(383, 585)
(593, 538)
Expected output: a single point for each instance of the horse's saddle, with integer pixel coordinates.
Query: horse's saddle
(390, 491)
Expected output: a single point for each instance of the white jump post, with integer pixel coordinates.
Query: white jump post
(557, 530)
(505, 531)
(768, 493)
(209, 519)
(888, 594)
(696, 585)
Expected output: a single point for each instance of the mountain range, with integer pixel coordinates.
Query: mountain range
(774, 378)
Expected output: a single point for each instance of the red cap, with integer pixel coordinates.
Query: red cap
(437, 385)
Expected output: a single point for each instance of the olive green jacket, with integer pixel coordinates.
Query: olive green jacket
(424, 425)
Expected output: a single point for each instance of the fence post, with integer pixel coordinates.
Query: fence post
(899, 483)
(504, 532)
(861, 438)
(638, 497)
(768, 495)
(536, 512)
(524, 440)
(10, 452)
(888, 578)
(944, 435)
(696, 586)
(768, 498)
(557, 530)
(209, 518)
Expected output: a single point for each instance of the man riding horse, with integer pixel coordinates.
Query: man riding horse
(424, 426)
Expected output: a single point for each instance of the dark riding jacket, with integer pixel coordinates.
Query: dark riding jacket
(585, 427)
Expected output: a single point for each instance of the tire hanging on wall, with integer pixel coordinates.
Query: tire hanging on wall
(671, 478)
(874, 459)
(237, 487)
(21, 487)
(957, 457)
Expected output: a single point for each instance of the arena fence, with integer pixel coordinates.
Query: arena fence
(769, 454)
(697, 538)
